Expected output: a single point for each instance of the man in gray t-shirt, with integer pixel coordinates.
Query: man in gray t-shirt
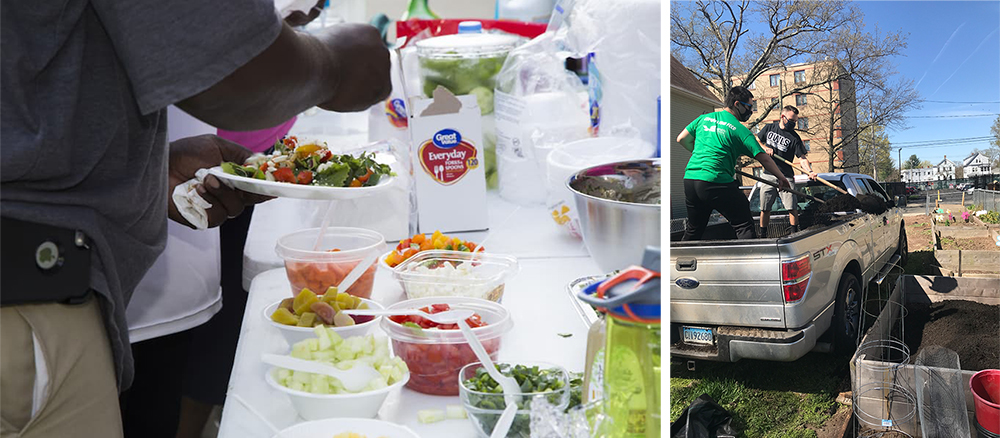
(85, 86)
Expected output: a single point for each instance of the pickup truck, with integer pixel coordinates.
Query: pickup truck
(772, 298)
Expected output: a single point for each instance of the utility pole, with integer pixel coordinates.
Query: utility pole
(899, 162)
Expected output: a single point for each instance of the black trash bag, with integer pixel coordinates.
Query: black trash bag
(704, 418)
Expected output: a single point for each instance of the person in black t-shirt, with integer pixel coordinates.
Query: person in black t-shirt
(780, 138)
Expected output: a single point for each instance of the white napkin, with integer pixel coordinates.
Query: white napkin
(286, 7)
(189, 203)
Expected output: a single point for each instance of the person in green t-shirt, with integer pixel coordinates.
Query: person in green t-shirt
(716, 141)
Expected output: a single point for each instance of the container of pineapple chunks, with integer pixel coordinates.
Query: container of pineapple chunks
(296, 317)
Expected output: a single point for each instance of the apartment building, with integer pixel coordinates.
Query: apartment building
(826, 107)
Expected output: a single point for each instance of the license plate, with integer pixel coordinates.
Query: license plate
(700, 336)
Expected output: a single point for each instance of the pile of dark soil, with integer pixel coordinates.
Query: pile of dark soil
(967, 327)
(872, 204)
(840, 203)
(847, 203)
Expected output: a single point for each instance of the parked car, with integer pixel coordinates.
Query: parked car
(911, 190)
(773, 298)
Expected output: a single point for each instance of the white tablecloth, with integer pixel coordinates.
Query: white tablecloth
(536, 297)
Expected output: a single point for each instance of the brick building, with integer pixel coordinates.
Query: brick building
(828, 106)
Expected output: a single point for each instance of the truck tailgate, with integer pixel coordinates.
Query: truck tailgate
(730, 285)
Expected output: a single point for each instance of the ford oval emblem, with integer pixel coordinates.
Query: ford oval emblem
(687, 283)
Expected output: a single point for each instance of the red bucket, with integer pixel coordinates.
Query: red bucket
(986, 391)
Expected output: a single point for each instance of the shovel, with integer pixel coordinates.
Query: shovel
(779, 187)
(818, 178)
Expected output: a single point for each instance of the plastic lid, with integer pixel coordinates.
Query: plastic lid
(494, 315)
(470, 27)
(455, 273)
(467, 45)
(352, 244)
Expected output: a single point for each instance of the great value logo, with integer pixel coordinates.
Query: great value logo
(395, 110)
(446, 157)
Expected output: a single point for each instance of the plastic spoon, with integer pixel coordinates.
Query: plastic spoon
(446, 317)
(354, 379)
(323, 225)
(509, 385)
(356, 273)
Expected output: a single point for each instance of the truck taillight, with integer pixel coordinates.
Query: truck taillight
(795, 275)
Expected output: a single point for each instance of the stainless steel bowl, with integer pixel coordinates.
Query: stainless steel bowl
(619, 207)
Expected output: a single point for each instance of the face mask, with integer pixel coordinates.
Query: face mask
(789, 125)
(743, 111)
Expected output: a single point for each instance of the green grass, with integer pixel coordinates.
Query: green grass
(766, 399)
(921, 263)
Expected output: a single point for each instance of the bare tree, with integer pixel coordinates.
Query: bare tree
(855, 74)
(877, 155)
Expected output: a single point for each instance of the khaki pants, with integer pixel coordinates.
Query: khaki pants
(57, 378)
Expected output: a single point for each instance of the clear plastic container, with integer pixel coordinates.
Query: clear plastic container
(485, 408)
(321, 269)
(440, 273)
(463, 63)
(435, 356)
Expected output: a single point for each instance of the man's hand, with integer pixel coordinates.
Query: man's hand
(187, 155)
(783, 182)
(813, 175)
(297, 18)
(768, 150)
(361, 66)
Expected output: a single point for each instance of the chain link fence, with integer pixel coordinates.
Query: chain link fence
(986, 199)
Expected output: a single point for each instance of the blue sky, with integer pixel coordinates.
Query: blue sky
(953, 54)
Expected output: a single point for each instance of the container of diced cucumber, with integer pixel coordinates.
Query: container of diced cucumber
(468, 63)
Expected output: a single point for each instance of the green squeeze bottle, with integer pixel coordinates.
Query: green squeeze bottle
(419, 9)
(631, 302)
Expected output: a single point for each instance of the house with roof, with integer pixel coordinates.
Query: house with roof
(976, 164)
(689, 99)
(921, 174)
(946, 169)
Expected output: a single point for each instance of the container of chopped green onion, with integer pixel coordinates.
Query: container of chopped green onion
(483, 398)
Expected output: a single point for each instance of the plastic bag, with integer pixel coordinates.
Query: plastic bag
(621, 40)
(539, 104)
(389, 118)
(704, 418)
(584, 421)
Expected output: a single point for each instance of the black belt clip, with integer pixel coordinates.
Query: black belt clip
(43, 264)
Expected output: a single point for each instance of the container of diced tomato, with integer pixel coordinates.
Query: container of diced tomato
(340, 249)
(434, 353)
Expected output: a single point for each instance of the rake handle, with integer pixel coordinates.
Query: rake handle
(804, 171)
(779, 187)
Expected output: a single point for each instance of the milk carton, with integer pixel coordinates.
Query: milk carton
(446, 136)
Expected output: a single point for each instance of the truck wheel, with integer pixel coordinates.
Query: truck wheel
(847, 314)
(902, 249)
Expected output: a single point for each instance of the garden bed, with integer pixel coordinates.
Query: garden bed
(960, 325)
(885, 369)
(966, 249)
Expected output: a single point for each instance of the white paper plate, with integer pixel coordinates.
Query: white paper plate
(330, 427)
(289, 190)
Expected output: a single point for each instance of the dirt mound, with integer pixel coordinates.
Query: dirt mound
(840, 203)
(847, 203)
(967, 327)
(872, 204)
